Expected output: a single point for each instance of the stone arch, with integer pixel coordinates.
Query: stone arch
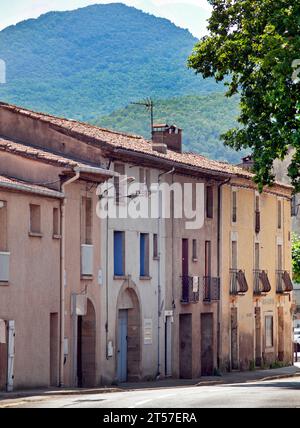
(128, 312)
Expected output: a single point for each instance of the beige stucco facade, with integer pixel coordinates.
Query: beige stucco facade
(252, 349)
(180, 319)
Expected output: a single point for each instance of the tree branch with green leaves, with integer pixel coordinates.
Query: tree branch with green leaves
(252, 45)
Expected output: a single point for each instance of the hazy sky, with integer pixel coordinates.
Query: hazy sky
(189, 14)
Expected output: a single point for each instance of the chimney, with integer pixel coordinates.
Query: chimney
(247, 163)
(170, 136)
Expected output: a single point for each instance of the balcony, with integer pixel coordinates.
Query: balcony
(4, 267)
(190, 289)
(238, 282)
(261, 283)
(211, 289)
(284, 283)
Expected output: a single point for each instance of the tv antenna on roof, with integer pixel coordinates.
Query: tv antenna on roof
(149, 105)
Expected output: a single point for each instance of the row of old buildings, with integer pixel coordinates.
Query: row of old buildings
(89, 300)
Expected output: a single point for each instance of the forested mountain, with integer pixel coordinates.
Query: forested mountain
(91, 63)
(95, 60)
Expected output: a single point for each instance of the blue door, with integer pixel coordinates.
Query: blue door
(122, 345)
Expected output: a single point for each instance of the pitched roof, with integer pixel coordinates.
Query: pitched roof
(36, 153)
(133, 143)
(11, 183)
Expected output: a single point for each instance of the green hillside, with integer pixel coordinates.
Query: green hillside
(95, 60)
(203, 119)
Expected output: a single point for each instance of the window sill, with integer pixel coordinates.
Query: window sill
(35, 235)
(87, 277)
(156, 258)
(195, 260)
(145, 278)
(4, 283)
(120, 277)
(56, 236)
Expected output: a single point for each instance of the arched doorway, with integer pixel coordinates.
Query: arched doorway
(86, 348)
(128, 335)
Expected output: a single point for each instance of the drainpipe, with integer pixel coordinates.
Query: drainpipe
(219, 269)
(158, 273)
(62, 278)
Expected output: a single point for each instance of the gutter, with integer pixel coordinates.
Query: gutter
(26, 188)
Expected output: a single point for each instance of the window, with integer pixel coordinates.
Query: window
(144, 180)
(269, 331)
(294, 206)
(279, 257)
(119, 253)
(56, 231)
(279, 214)
(195, 255)
(155, 246)
(257, 215)
(209, 202)
(35, 218)
(256, 256)
(3, 226)
(119, 186)
(207, 258)
(86, 221)
(144, 254)
(234, 207)
(234, 255)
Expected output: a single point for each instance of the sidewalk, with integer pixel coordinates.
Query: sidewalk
(226, 378)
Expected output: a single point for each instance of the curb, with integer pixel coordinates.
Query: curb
(281, 376)
(54, 393)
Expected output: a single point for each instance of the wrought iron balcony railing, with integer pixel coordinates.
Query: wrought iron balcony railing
(284, 283)
(211, 289)
(190, 289)
(238, 282)
(261, 284)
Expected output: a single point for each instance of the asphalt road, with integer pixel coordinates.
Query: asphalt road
(268, 394)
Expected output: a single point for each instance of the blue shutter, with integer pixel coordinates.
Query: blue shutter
(142, 254)
(118, 253)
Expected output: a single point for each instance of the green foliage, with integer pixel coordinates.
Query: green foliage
(296, 257)
(202, 118)
(253, 43)
(95, 60)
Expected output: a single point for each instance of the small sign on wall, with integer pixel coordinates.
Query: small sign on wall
(148, 331)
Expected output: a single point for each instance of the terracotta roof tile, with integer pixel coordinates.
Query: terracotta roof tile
(134, 143)
(35, 153)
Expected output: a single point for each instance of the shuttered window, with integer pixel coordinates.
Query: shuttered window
(209, 202)
(144, 254)
(119, 253)
(3, 226)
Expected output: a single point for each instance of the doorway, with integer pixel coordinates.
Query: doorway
(207, 360)
(3, 355)
(54, 340)
(128, 336)
(185, 270)
(168, 346)
(86, 348)
(234, 339)
(122, 345)
(185, 343)
(258, 348)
